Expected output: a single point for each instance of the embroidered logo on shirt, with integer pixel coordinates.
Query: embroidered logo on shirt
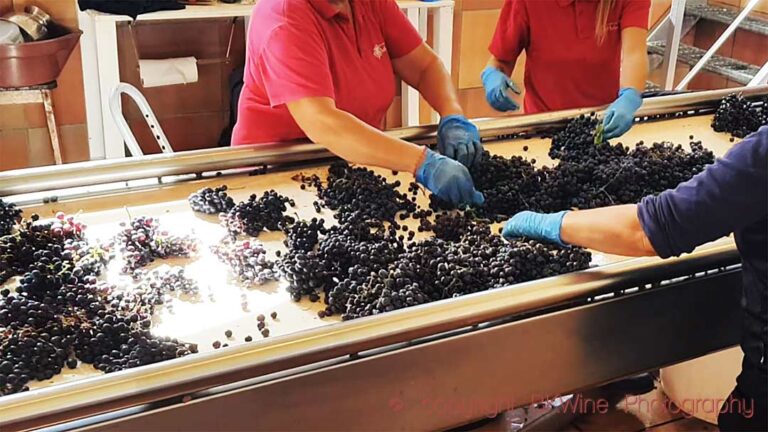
(612, 26)
(379, 50)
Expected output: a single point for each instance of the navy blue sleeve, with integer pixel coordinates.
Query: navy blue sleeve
(729, 194)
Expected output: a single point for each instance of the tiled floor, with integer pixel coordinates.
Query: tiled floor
(650, 412)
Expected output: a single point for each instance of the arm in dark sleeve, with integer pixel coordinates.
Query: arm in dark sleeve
(727, 195)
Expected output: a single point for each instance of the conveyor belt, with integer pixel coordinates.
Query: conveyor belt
(299, 337)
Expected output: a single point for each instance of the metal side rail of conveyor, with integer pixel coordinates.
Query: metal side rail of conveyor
(555, 335)
(101, 176)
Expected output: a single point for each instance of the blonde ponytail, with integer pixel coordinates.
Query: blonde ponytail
(601, 24)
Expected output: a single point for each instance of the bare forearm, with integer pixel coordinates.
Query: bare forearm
(506, 67)
(614, 230)
(357, 142)
(634, 58)
(634, 71)
(436, 87)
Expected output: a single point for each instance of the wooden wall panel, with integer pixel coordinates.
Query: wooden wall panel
(762, 7)
(193, 115)
(750, 47)
(477, 30)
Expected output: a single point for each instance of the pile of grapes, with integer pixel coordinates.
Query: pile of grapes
(586, 175)
(740, 117)
(358, 194)
(60, 314)
(364, 266)
(367, 269)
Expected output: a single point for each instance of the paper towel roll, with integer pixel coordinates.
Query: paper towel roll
(156, 73)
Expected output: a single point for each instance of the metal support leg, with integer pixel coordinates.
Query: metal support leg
(52, 128)
(676, 15)
(718, 43)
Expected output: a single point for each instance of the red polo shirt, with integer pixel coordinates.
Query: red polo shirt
(309, 48)
(565, 67)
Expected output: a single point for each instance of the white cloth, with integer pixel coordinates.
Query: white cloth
(156, 73)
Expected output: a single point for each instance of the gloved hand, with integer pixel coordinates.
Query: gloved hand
(621, 114)
(448, 179)
(459, 139)
(537, 226)
(496, 84)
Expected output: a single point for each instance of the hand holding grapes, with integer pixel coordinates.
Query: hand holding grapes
(621, 113)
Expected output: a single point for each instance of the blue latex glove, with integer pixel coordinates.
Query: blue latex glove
(497, 84)
(459, 139)
(621, 114)
(448, 179)
(537, 226)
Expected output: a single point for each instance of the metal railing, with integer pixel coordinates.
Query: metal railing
(673, 28)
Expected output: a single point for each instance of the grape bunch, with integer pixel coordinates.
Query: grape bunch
(739, 117)
(211, 201)
(344, 250)
(259, 213)
(59, 243)
(247, 260)
(304, 236)
(359, 194)
(10, 215)
(67, 226)
(167, 280)
(142, 241)
(576, 139)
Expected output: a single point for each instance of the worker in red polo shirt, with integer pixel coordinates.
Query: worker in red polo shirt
(325, 69)
(579, 53)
